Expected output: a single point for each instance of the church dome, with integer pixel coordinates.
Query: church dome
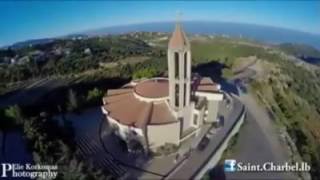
(153, 88)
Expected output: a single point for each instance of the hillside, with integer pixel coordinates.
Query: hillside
(67, 56)
(299, 50)
(305, 52)
(289, 90)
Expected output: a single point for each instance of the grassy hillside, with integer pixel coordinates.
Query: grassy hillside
(221, 49)
(290, 92)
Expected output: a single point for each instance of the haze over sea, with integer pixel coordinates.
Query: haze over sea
(42, 19)
(267, 34)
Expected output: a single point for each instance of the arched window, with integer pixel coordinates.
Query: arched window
(176, 64)
(185, 64)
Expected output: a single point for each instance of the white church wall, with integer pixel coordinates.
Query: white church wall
(158, 135)
(213, 107)
(210, 96)
(187, 115)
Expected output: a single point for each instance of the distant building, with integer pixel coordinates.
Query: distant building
(12, 61)
(87, 51)
(162, 110)
(23, 60)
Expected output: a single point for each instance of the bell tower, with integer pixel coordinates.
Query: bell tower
(179, 69)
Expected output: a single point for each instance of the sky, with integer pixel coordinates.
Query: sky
(23, 20)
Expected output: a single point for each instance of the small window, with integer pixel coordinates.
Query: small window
(184, 94)
(134, 132)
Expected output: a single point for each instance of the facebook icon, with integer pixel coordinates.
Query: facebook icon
(230, 165)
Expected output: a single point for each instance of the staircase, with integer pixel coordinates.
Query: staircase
(91, 149)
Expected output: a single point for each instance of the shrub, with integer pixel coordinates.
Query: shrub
(227, 73)
(94, 96)
(145, 73)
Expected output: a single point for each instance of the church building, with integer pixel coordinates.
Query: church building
(164, 110)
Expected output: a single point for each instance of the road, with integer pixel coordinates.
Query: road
(259, 142)
(197, 158)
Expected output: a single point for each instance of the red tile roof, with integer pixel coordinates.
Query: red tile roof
(161, 114)
(205, 84)
(124, 107)
(128, 110)
(153, 88)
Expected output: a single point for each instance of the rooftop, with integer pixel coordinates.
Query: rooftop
(124, 107)
(153, 88)
(205, 84)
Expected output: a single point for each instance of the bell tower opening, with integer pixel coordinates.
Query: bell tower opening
(176, 96)
(176, 64)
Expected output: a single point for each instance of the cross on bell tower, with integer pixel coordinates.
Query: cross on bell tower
(179, 68)
(178, 17)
